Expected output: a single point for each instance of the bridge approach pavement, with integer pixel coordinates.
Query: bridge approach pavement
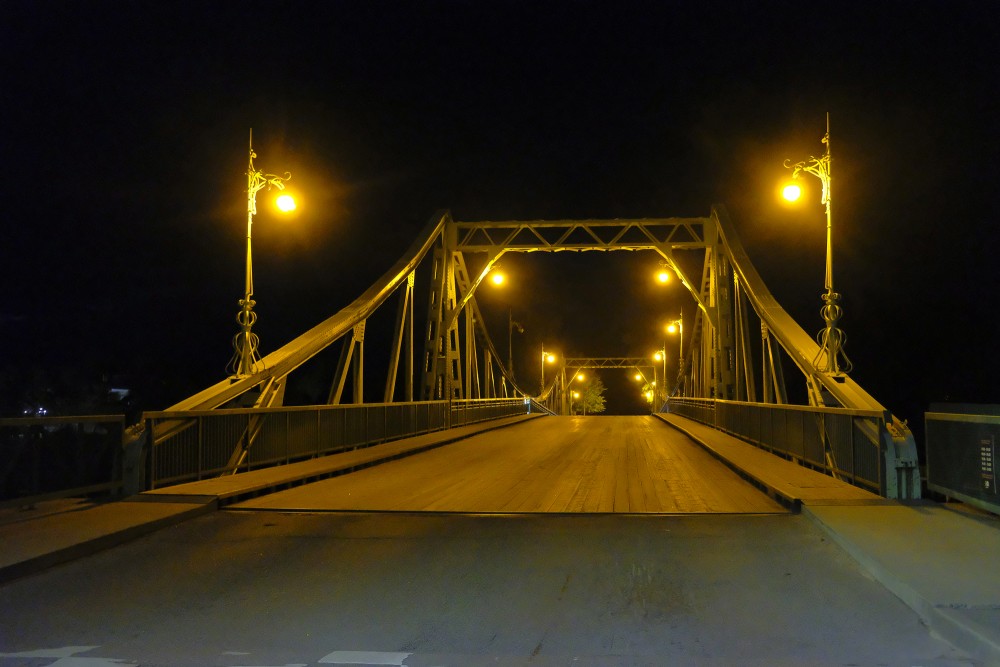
(595, 587)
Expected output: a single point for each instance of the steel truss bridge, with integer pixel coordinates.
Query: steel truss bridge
(733, 374)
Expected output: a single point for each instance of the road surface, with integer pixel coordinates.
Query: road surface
(539, 571)
(557, 464)
(269, 589)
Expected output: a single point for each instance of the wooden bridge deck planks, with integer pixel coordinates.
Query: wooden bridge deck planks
(594, 464)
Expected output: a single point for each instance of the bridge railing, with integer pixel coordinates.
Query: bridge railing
(482, 409)
(195, 445)
(836, 441)
(43, 458)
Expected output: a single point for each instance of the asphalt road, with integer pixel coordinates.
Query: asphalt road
(274, 588)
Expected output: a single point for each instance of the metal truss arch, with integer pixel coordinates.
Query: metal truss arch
(460, 362)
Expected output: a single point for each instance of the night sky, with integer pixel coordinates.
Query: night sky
(124, 145)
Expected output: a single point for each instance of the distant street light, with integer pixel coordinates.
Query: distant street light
(648, 388)
(831, 339)
(546, 359)
(661, 355)
(677, 327)
(663, 274)
(245, 342)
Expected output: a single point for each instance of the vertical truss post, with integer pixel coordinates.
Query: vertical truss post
(359, 364)
(747, 388)
(440, 346)
(408, 396)
(773, 374)
(489, 388)
(404, 331)
(471, 362)
(725, 348)
(349, 361)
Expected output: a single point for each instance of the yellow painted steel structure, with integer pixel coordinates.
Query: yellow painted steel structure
(460, 362)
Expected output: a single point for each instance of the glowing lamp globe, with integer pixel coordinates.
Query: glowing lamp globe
(791, 192)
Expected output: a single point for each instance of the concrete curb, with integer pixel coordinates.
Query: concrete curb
(101, 539)
(947, 623)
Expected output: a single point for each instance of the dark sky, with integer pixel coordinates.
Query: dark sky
(125, 129)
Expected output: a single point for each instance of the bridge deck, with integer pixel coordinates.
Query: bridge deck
(557, 464)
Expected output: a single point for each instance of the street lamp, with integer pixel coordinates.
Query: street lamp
(677, 327)
(831, 339)
(546, 359)
(245, 342)
(579, 376)
(661, 355)
(497, 276)
(648, 387)
(663, 275)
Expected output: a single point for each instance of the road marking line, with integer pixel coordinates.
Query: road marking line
(364, 658)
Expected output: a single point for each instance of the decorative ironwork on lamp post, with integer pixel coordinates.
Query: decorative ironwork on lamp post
(245, 342)
(831, 339)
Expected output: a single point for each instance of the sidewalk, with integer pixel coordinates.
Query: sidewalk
(939, 560)
(58, 531)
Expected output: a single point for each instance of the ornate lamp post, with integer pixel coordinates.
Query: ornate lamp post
(677, 327)
(546, 359)
(245, 342)
(831, 339)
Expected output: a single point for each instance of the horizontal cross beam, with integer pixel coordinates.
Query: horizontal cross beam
(555, 235)
(609, 362)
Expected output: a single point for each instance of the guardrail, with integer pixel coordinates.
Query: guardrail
(482, 409)
(194, 445)
(42, 458)
(962, 443)
(846, 444)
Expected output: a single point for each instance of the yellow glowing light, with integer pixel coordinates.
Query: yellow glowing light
(550, 358)
(498, 278)
(285, 203)
(671, 328)
(663, 276)
(658, 356)
(576, 394)
(580, 376)
(791, 192)
(638, 376)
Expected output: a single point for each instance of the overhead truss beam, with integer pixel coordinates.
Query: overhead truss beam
(608, 362)
(581, 235)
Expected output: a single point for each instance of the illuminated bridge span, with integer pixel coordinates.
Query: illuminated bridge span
(732, 376)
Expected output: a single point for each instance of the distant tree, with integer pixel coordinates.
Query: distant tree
(591, 397)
